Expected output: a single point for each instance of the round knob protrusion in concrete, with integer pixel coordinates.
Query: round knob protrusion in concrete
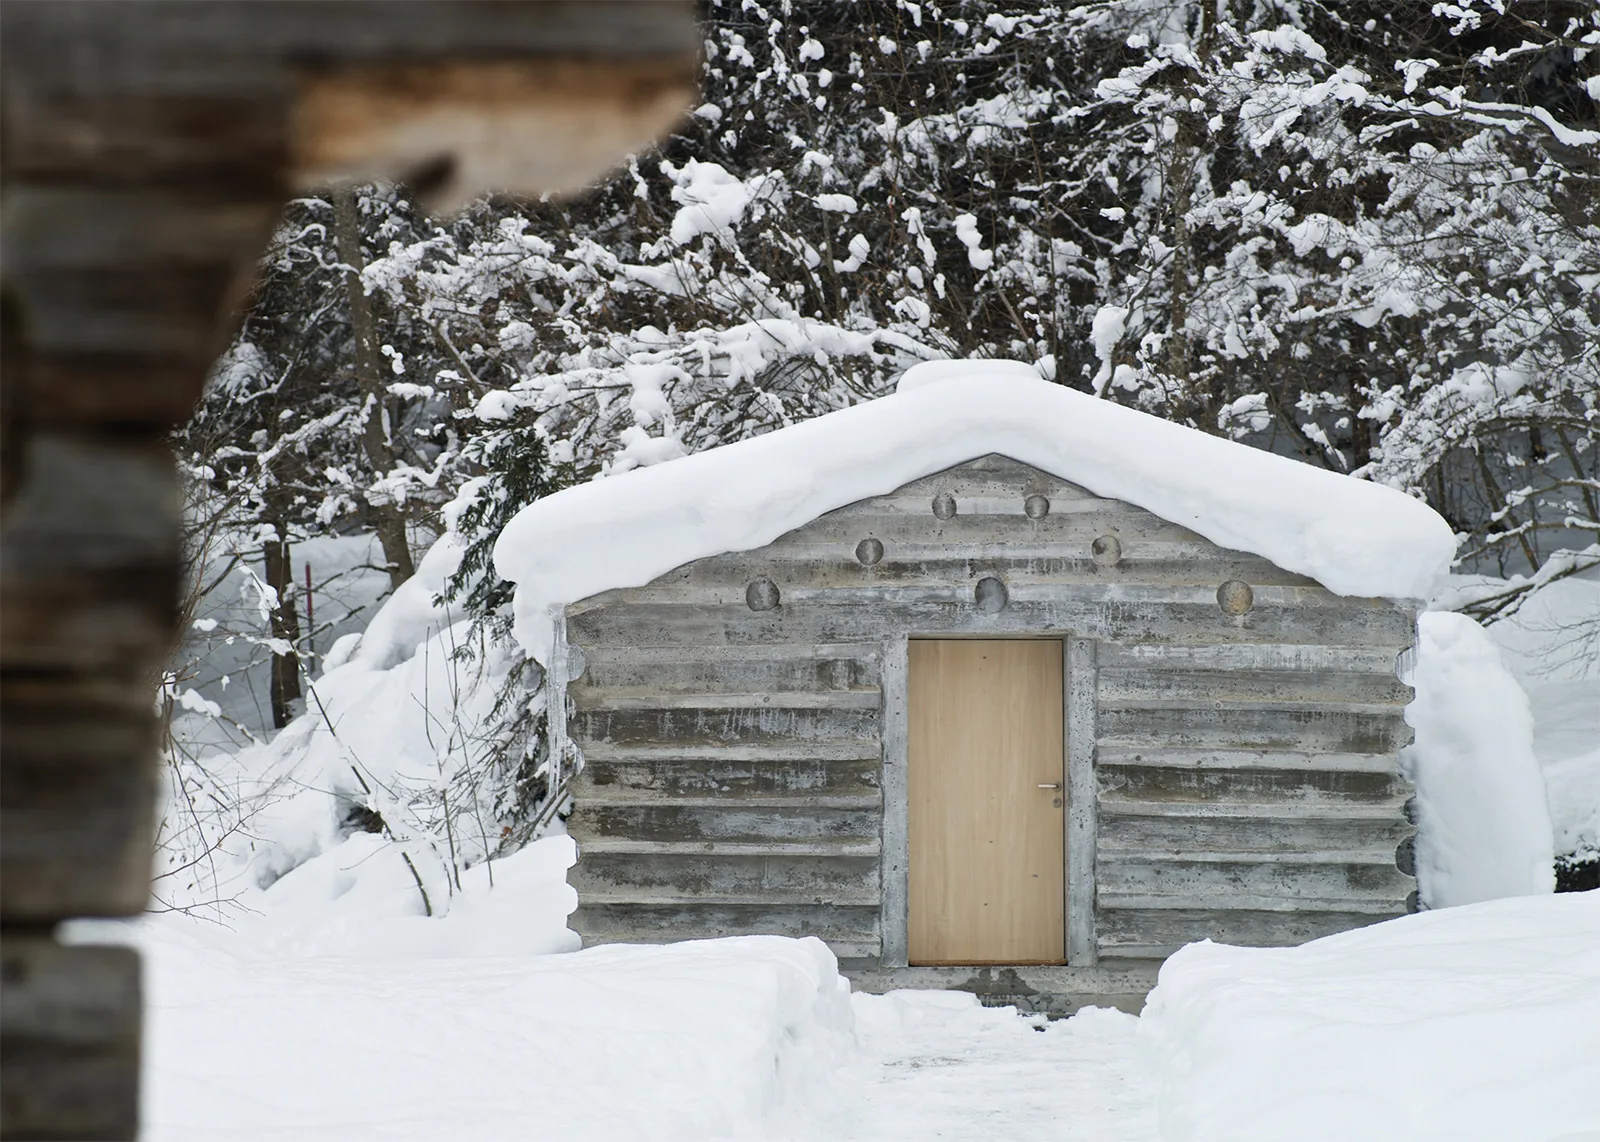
(1106, 551)
(1036, 507)
(869, 552)
(1235, 597)
(1405, 856)
(944, 506)
(991, 595)
(761, 595)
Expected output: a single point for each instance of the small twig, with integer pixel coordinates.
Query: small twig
(450, 835)
(427, 907)
(323, 710)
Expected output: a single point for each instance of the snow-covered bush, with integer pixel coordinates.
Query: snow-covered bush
(404, 735)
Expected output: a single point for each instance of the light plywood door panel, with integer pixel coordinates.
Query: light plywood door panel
(987, 864)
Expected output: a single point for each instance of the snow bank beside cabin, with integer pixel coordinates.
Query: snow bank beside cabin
(392, 723)
(1473, 1024)
(359, 899)
(1354, 537)
(684, 1043)
(1483, 821)
(1551, 646)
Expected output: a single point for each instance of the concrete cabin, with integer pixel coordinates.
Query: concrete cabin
(991, 731)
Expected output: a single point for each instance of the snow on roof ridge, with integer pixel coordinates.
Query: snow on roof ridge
(1355, 537)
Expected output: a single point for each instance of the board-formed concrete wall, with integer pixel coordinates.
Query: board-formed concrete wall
(742, 723)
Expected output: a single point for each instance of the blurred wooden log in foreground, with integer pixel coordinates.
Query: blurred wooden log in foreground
(148, 148)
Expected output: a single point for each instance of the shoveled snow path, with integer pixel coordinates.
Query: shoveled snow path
(748, 1040)
(933, 1065)
(327, 1010)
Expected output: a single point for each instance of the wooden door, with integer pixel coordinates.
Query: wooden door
(987, 857)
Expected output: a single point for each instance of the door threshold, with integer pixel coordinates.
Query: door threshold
(991, 964)
(1053, 989)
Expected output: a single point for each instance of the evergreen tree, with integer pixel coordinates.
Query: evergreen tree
(1367, 235)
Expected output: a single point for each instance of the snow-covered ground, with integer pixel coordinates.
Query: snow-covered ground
(1552, 646)
(683, 1042)
(328, 1006)
(317, 1001)
(1473, 1024)
(333, 1010)
(931, 1064)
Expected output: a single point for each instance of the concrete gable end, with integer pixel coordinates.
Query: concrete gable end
(1232, 772)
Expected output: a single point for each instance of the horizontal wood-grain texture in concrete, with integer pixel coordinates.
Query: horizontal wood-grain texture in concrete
(1245, 784)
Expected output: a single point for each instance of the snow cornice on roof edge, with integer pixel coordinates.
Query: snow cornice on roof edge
(1354, 537)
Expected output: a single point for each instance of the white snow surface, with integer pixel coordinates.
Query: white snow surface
(1471, 1024)
(406, 1033)
(357, 900)
(1105, 332)
(1483, 820)
(394, 715)
(712, 200)
(935, 1065)
(1354, 537)
(335, 1010)
(1573, 784)
(1552, 645)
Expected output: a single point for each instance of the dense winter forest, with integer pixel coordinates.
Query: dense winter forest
(1366, 235)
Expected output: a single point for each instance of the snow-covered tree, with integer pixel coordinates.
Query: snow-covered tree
(308, 425)
(1363, 234)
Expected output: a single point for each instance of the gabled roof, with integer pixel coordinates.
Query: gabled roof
(1354, 537)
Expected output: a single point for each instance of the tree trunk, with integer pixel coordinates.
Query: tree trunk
(1180, 176)
(1361, 429)
(285, 625)
(1201, 407)
(375, 438)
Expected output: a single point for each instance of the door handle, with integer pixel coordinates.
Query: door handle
(1050, 785)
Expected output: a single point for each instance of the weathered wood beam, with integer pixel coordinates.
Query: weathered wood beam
(70, 1052)
(473, 95)
(1139, 933)
(148, 148)
(732, 820)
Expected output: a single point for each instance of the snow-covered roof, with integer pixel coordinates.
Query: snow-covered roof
(1352, 536)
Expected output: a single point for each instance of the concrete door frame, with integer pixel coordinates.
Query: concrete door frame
(1078, 719)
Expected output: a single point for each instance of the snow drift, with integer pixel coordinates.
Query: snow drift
(1354, 537)
(1472, 1024)
(339, 1012)
(682, 1043)
(396, 721)
(1483, 821)
(1552, 646)
(360, 900)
